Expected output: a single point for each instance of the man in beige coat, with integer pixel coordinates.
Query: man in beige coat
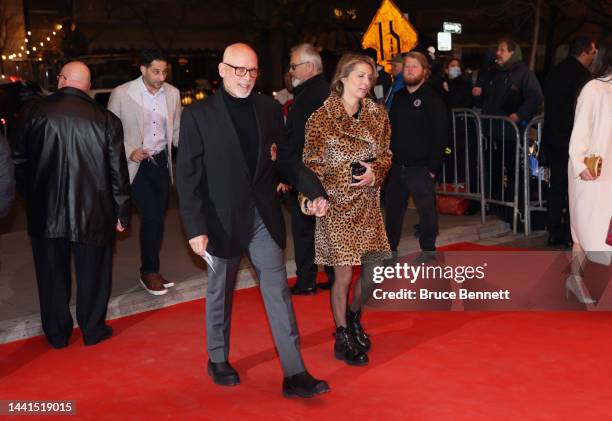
(150, 110)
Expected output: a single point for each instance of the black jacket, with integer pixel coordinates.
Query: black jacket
(7, 178)
(217, 195)
(513, 88)
(419, 128)
(563, 84)
(71, 169)
(459, 94)
(308, 97)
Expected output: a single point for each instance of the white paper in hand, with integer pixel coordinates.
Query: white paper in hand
(208, 259)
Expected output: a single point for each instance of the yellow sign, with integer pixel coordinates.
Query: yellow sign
(389, 33)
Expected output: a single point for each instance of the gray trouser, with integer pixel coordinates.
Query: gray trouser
(268, 260)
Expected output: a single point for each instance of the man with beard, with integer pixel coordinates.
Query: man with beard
(513, 91)
(311, 89)
(227, 183)
(418, 136)
(150, 110)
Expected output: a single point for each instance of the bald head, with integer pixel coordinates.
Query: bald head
(75, 75)
(239, 70)
(237, 51)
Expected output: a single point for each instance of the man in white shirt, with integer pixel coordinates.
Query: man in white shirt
(150, 111)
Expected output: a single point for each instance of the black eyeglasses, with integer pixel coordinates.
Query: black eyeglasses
(61, 76)
(241, 71)
(292, 67)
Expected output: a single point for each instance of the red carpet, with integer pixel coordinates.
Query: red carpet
(427, 366)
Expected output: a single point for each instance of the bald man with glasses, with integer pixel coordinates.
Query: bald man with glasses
(71, 169)
(227, 181)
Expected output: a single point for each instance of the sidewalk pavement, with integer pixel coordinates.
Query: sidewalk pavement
(19, 307)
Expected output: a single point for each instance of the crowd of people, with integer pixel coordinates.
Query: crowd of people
(80, 167)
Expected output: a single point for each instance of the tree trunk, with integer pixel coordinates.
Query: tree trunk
(536, 35)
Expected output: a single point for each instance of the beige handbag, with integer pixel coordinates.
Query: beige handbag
(594, 163)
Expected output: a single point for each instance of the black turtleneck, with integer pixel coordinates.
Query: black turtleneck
(242, 113)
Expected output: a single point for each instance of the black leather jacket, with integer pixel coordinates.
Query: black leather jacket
(7, 180)
(71, 169)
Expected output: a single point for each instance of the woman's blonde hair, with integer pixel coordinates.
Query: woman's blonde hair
(346, 65)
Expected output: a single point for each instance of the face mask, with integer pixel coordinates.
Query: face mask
(454, 72)
(295, 82)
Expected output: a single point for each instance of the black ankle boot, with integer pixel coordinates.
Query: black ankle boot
(361, 339)
(346, 350)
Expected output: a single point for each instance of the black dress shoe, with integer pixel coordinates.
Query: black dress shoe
(107, 334)
(325, 285)
(303, 385)
(300, 290)
(58, 343)
(223, 374)
(562, 242)
(554, 240)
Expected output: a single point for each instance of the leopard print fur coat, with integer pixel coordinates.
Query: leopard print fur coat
(353, 228)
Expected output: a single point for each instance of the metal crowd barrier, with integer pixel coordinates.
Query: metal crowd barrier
(532, 138)
(467, 119)
(496, 160)
(498, 134)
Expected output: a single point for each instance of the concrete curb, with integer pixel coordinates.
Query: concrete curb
(138, 301)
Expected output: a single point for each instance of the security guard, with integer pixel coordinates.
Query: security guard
(418, 136)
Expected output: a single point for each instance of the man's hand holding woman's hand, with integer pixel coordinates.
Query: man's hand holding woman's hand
(318, 207)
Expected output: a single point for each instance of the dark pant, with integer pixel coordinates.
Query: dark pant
(558, 221)
(403, 182)
(93, 265)
(150, 190)
(303, 231)
(268, 260)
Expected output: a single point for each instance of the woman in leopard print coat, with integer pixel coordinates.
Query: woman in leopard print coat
(349, 128)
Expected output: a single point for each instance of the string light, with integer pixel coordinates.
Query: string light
(26, 50)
